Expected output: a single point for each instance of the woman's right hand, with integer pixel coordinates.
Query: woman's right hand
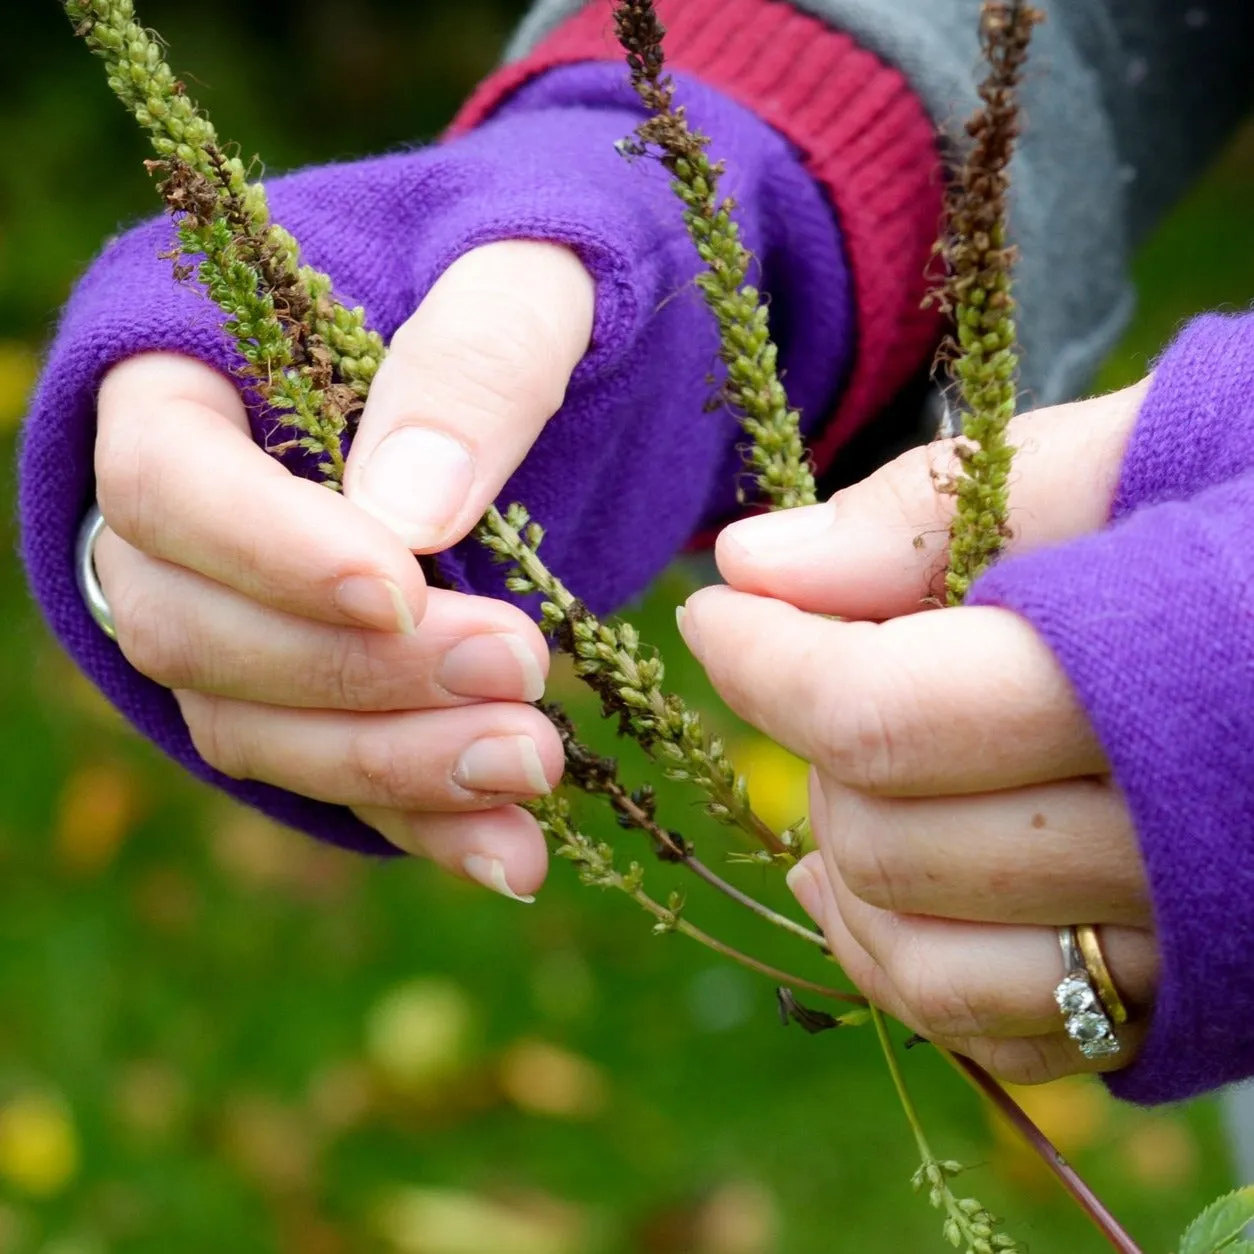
(293, 623)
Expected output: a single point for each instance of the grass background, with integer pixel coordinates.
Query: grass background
(214, 1035)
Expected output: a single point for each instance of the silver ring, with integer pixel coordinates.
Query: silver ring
(85, 570)
(1087, 1022)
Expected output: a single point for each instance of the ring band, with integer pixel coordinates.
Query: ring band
(1087, 1022)
(1099, 973)
(85, 570)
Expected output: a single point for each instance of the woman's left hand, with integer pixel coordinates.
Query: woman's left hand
(961, 803)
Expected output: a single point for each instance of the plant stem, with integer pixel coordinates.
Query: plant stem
(699, 869)
(977, 292)
(899, 1083)
(610, 659)
(180, 131)
(1018, 1118)
(762, 968)
(595, 861)
(966, 1218)
(598, 776)
(777, 454)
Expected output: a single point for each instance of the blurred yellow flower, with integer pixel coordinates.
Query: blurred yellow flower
(1161, 1152)
(1076, 1114)
(18, 369)
(777, 781)
(95, 812)
(448, 1221)
(544, 1079)
(39, 1151)
(419, 1033)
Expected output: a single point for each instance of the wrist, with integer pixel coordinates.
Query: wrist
(1178, 447)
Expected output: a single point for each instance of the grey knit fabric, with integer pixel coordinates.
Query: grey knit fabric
(1125, 101)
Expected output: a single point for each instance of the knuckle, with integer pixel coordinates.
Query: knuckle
(872, 735)
(215, 736)
(1022, 1060)
(937, 996)
(906, 490)
(354, 673)
(862, 743)
(387, 773)
(870, 870)
(125, 487)
(870, 979)
(154, 641)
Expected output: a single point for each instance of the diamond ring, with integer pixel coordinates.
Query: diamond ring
(1087, 1022)
(85, 570)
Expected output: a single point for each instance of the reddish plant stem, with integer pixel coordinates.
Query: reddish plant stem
(1068, 1177)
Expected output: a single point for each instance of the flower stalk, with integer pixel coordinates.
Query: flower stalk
(978, 294)
(776, 455)
(594, 861)
(180, 132)
(598, 776)
(967, 1223)
(1070, 1179)
(610, 658)
(241, 272)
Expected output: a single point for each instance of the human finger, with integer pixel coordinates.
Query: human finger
(1035, 1058)
(503, 849)
(1032, 1060)
(179, 478)
(878, 548)
(478, 757)
(1035, 855)
(185, 631)
(467, 387)
(955, 979)
(970, 700)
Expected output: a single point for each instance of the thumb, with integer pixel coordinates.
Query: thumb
(878, 549)
(466, 388)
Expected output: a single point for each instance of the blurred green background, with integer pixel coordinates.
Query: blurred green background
(214, 1035)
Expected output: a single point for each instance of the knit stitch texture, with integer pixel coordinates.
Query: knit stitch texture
(1151, 619)
(627, 471)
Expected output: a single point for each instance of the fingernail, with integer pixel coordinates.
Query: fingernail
(490, 872)
(416, 482)
(494, 667)
(508, 764)
(688, 629)
(767, 534)
(375, 603)
(805, 888)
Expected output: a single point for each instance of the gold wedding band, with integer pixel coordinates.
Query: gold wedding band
(1099, 973)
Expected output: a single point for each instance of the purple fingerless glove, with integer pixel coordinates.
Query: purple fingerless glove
(621, 478)
(1153, 620)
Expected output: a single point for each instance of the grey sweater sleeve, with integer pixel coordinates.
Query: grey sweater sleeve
(1125, 101)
